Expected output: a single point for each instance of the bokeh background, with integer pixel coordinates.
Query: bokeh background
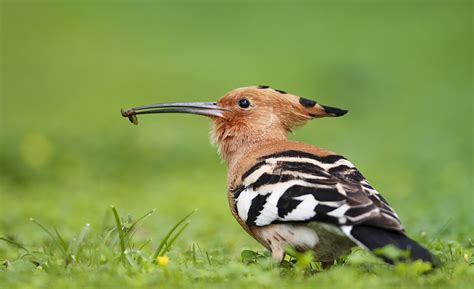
(403, 69)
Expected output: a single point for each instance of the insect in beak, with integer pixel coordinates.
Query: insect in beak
(201, 108)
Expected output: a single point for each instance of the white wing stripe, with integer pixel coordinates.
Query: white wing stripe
(304, 211)
(270, 211)
(243, 203)
(325, 166)
(253, 177)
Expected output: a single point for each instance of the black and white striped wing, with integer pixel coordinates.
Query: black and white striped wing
(296, 186)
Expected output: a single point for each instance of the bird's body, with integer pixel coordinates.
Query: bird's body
(287, 193)
(291, 193)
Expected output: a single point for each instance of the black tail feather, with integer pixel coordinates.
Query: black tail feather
(373, 238)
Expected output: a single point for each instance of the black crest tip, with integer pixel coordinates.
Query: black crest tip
(307, 102)
(334, 110)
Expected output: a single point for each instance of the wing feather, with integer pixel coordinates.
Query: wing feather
(297, 186)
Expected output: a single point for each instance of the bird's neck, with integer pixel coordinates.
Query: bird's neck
(235, 146)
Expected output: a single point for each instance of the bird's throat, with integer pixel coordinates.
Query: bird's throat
(234, 146)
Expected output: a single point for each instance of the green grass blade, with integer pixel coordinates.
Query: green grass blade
(61, 240)
(121, 234)
(130, 259)
(141, 218)
(108, 234)
(168, 235)
(170, 243)
(14, 243)
(55, 240)
(77, 244)
(199, 248)
(208, 258)
(129, 232)
(144, 244)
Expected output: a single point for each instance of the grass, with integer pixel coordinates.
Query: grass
(403, 69)
(116, 257)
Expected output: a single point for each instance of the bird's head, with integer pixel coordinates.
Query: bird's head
(247, 116)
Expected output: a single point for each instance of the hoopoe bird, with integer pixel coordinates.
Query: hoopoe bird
(288, 193)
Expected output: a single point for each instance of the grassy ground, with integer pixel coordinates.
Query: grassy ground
(403, 70)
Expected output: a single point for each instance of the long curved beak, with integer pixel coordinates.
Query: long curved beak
(200, 108)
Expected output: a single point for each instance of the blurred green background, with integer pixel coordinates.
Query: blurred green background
(403, 69)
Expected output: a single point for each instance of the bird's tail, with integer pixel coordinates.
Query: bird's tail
(373, 238)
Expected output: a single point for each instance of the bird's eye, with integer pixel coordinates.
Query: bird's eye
(244, 103)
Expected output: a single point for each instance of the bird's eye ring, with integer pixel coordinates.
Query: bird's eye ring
(244, 103)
